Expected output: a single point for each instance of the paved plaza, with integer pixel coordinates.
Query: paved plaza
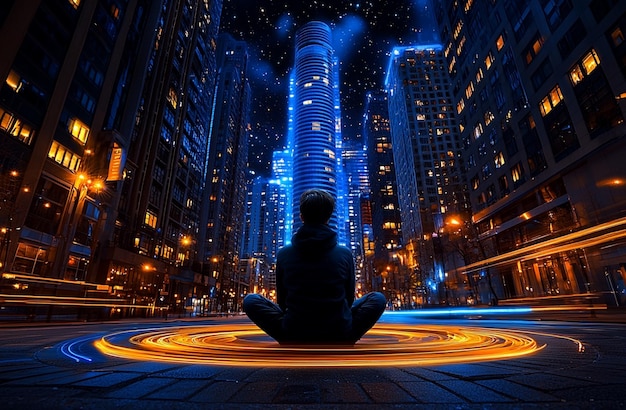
(580, 362)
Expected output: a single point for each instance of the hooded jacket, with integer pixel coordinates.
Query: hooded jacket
(315, 285)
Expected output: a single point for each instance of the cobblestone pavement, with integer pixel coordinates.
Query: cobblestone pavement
(40, 369)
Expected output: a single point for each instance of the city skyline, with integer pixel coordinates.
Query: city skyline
(365, 34)
(126, 171)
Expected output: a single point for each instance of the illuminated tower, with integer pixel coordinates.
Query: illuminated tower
(314, 115)
(426, 152)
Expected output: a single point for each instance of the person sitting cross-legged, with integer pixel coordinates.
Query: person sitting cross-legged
(315, 285)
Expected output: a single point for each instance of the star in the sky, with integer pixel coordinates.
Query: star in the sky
(364, 33)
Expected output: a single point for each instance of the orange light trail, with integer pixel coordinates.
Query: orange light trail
(384, 346)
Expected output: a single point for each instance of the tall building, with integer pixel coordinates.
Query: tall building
(315, 122)
(539, 88)
(383, 196)
(157, 227)
(223, 206)
(73, 74)
(426, 151)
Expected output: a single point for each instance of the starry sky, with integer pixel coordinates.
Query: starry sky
(364, 34)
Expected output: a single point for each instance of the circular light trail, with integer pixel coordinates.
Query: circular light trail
(384, 346)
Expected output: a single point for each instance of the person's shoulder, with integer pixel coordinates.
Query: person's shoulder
(344, 250)
(284, 250)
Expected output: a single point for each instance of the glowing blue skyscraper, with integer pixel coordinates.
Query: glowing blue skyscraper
(314, 115)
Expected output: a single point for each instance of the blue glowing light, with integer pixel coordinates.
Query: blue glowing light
(67, 349)
(347, 35)
(487, 311)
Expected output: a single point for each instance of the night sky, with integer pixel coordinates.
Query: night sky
(364, 34)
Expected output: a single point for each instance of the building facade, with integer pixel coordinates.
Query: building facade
(428, 166)
(111, 171)
(224, 198)
(386, 247)
(315, 122)
(539, 90)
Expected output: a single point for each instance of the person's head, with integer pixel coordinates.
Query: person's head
(316, 206)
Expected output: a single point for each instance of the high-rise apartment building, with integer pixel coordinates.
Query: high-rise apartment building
(357, 216)
(106, 107)
(225, 184)
(383, 197)
(315, 119)
(158, 222)
(539, 88)
(426, 151)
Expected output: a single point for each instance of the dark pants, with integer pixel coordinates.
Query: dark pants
(269, 316)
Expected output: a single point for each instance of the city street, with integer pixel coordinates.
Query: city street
(407, 361)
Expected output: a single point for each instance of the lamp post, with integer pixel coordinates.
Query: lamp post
(73, 209)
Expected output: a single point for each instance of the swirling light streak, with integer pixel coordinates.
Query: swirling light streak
(385, 345)
(67, 350)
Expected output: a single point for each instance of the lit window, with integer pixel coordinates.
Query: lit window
(550, 101)
(489, 60)
(516, 172)
(151, 219)
(14, 81)
(590, 61)
(16, 127)
(499, 159)
(500, 42)
(307, 102)
(488, 117)
(556, 96)
(79, 130)
(316, 126)
(576, 75)
(469, 90)
(75, 3)
(617, 36)
(460, 106)
(61, 155)
(172, 98)
(307, 85)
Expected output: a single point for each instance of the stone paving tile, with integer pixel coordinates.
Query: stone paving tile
(192, 372)
(259, 392)
(41, 379)
(76, 377)
(474, 392)
(218, 392)
(179, 390)
(548, 382)
(298, 394)
(108, 380)
(343, 392)
(140, 388)
(428, 392)
(517, 391)
(432, 374)
(27, 373)
(234, 373)
(400, 375)
(475, 371)
(387, 393)
(614, 392)
(24, 398)
(143, 367)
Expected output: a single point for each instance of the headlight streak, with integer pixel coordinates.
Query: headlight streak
(386, 345)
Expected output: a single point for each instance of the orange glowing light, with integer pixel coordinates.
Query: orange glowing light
(385, 345)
